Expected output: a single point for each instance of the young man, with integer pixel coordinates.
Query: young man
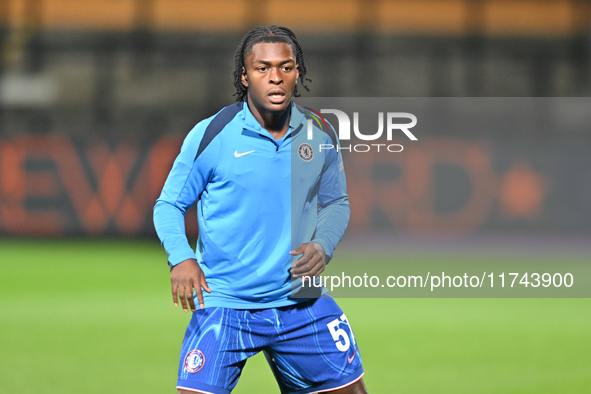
(271, 209)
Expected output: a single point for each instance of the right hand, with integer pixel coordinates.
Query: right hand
(185, 277)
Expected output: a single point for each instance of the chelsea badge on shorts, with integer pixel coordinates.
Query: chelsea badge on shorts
(306, 152)
(194, 361)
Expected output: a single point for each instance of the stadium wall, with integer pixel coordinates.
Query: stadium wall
(55, 186)
(96, 96)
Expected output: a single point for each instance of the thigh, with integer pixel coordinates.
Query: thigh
(315, 349)
(215, 348)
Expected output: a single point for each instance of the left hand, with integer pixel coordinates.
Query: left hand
(312, 262)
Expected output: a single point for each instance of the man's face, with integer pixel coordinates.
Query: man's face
(270, 75)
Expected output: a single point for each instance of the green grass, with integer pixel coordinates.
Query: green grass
(96, 317)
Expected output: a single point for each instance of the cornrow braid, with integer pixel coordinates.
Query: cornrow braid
(267, 34)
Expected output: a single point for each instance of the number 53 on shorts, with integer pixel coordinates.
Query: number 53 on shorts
(340, 335)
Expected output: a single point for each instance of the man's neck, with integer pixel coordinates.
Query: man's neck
(276, 123)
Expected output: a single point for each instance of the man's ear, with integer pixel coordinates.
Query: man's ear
(297, 73)
(244, 78)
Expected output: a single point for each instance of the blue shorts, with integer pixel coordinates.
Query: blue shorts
(309, 346)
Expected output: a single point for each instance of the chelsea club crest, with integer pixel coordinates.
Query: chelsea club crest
(194, 361)
(306, 152)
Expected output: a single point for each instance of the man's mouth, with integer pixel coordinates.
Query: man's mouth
(276, 96)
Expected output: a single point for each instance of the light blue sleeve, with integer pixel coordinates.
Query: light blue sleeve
(187, 179)
(333, 201)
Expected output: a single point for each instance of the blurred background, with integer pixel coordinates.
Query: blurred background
(96, 96)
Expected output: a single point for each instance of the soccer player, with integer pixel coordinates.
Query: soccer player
(271, 209)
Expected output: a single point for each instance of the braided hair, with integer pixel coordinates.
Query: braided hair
(267, 34)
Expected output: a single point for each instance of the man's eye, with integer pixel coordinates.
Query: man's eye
(262, 69)
(287, 68)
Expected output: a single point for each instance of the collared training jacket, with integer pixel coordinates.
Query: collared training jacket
(257, 199)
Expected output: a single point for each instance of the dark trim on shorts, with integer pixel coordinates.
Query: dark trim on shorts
(333, 384)
(198, 387)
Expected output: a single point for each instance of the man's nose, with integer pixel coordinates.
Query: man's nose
(275, 76)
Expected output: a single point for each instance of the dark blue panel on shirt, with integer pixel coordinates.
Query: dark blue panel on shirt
(217, 125)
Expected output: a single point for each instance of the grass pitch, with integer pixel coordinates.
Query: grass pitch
(97, 317)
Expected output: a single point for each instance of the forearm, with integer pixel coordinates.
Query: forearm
(332, 223)
(169, 222)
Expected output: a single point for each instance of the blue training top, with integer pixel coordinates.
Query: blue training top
(257, 199)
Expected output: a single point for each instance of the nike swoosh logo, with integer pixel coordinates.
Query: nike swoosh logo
(350, 359)
(236, 154)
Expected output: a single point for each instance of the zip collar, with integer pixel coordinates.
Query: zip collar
(252, 124)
